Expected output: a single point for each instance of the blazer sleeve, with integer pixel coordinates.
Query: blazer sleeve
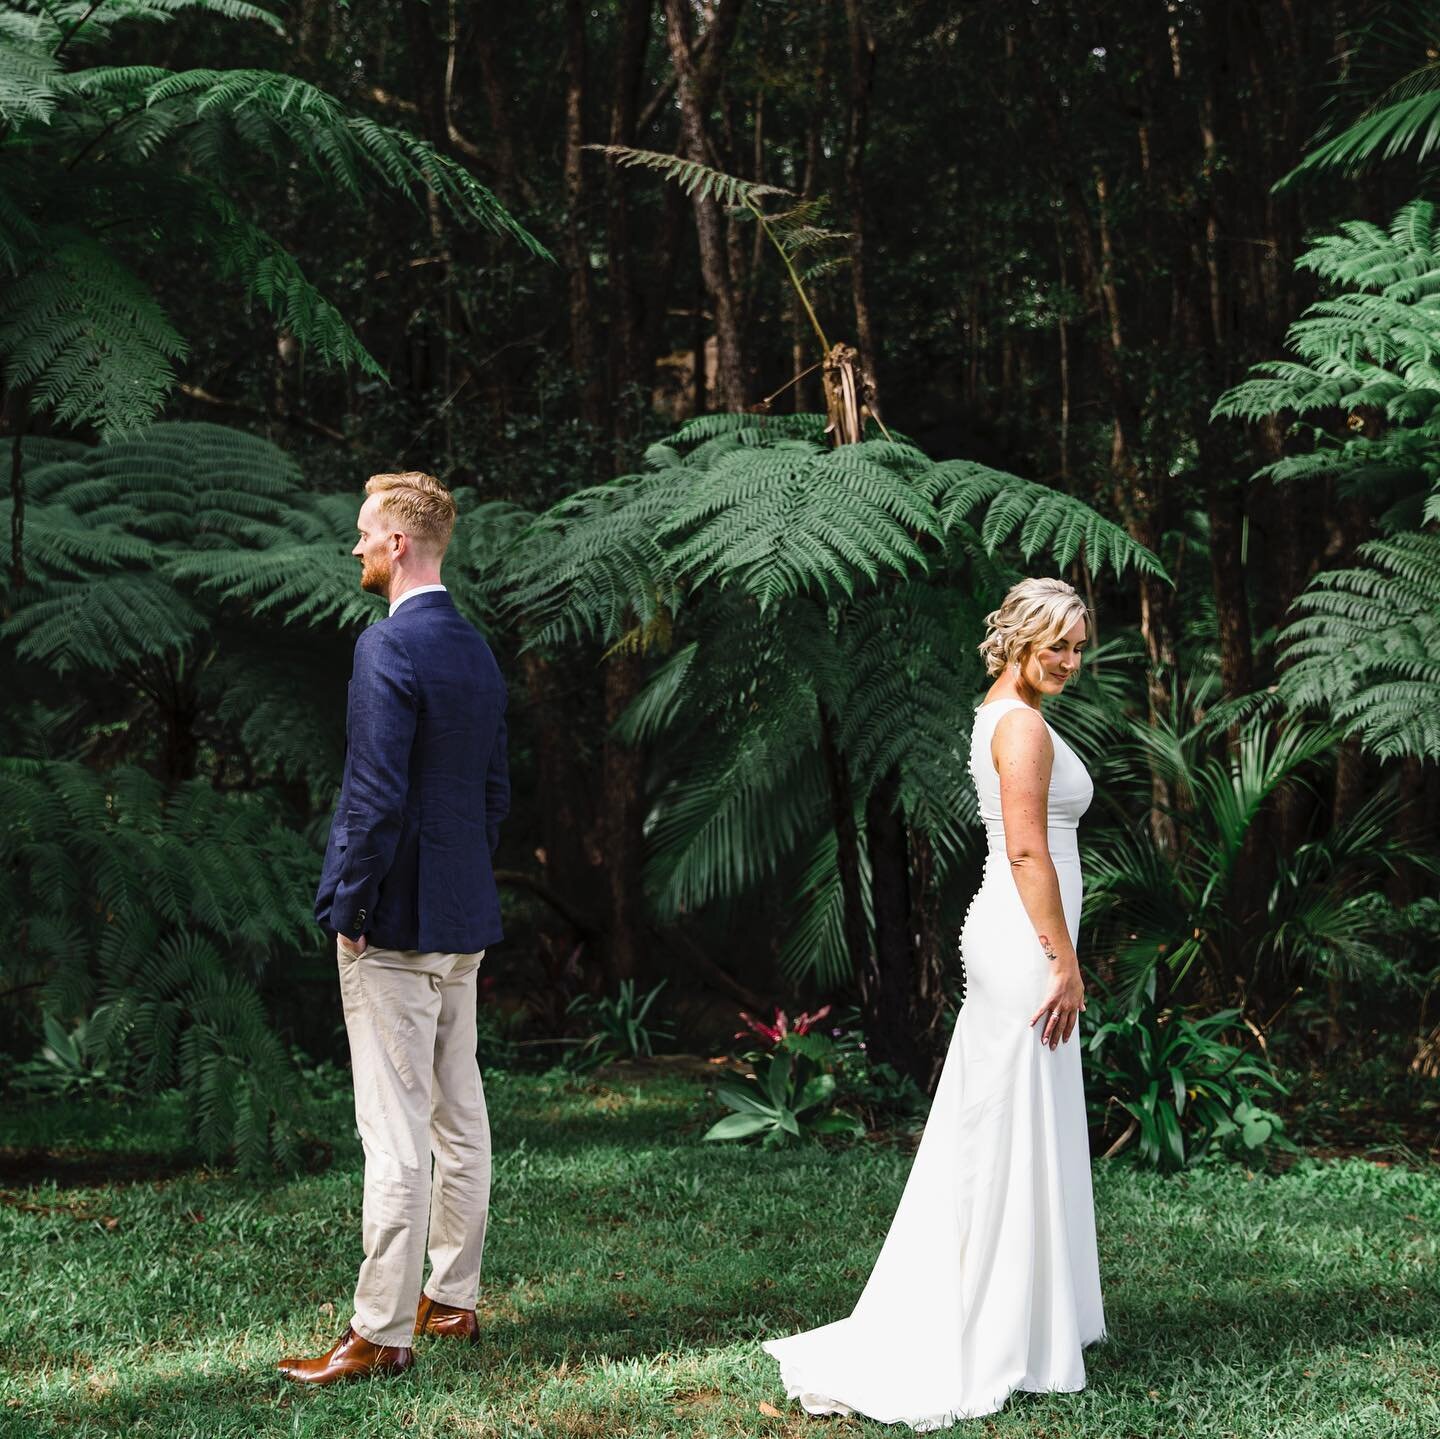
(497, 781)
(384, 703)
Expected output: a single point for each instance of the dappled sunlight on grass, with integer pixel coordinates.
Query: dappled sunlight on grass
(631, 1272)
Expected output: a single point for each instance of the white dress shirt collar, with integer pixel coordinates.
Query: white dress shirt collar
(410, 595)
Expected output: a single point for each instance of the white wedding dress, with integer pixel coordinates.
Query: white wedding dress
(988, 1281)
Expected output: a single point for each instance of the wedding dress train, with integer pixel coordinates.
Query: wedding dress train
(988, 1280)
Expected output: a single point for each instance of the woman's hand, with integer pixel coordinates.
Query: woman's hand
(1063, 1004)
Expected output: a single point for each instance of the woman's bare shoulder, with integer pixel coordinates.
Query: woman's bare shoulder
(1019, 732)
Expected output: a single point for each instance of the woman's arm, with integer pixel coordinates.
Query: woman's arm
(1024, 755)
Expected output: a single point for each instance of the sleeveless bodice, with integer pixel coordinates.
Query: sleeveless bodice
(1070, 793)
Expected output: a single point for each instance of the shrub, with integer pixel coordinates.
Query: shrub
(1184, 1086)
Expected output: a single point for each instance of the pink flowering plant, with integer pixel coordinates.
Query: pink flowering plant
(772, 1034)
(790, 1093)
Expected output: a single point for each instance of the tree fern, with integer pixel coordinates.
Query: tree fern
(29, 72)
(1366, 647)
(799, 580)
(1362, 647)
(789, 518)
(1039, 520)
(92, 147)
(83, 332)
(123, 535)
(149, 910)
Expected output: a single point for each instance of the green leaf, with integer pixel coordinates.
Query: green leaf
(1255, 1131)
(744, 1101)
(737, 1126)
(778, 1079)
(1168, 1128)
(817, 1091)
(88, 338)
(1177, 1082)
(838, 1122)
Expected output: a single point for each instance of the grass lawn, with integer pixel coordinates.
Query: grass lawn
(631, 1272)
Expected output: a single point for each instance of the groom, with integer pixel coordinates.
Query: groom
(408, 888)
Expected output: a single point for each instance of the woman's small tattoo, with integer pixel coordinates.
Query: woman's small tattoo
(1048, 949)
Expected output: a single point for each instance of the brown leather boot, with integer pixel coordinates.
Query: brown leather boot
(432, 1317)
(351, 1358)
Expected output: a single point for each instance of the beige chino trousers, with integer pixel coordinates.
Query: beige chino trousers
(410, 1017)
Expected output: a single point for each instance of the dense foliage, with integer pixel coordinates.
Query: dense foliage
(1094, 339)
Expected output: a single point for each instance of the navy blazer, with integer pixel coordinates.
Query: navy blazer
(426, 786)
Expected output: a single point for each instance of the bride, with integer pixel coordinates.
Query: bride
(988, 1281)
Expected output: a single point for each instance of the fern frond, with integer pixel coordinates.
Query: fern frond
(789, 518)
(691, 175)
(752, 429)
(736, 811)
(593, 565)
(30, 76)
(82, 22)
(1047, 520)
(1364, 646)
(103, 624)
(271, 275)
(814, 949)
(88, 339)
(1412, 123)
(282, 114)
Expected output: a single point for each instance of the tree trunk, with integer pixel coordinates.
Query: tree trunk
(888, 980)
(14, 414)
(576, 252)
(847, 849)
(862, 80)
(624, 807)
(696, 85)
(631, 362)
(512, 179)
(928, 984)
(569, 855)
(1415, 827)
(1349, 796)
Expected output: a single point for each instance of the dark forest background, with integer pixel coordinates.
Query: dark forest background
(1053, 234)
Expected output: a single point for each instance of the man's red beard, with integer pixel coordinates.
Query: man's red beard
(375, 575)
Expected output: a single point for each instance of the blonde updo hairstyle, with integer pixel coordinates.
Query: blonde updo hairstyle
(1034, 613)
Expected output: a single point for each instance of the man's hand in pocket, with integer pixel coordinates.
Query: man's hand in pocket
(353, 947)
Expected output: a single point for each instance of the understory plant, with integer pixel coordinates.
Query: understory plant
(620, 1026)
(66, 1067)
(1212, 916)
(151, 914)
(1180, 1082)
(791, 1095)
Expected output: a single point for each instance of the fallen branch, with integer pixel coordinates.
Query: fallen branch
(1122, 1141)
